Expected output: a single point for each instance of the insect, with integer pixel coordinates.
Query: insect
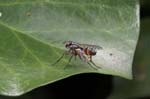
(83, 51)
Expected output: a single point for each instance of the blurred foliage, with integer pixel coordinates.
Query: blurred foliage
(145, 8)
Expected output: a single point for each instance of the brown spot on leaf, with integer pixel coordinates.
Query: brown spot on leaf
(110, 54)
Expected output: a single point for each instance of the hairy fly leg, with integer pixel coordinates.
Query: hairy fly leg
(65, 53)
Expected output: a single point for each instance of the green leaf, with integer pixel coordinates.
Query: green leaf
(32, 33)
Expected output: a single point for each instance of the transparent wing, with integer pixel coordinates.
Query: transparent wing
(91, 46)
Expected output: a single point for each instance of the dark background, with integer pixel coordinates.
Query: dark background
(99, 86)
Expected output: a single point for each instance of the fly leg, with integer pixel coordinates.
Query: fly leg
(92, 66)
(69, 61)
(65, 53)
(73, 53)
(75, 57)
(59, 59)
(93, 63)
(84, 58)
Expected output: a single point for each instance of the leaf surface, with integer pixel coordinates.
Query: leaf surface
(32, 33)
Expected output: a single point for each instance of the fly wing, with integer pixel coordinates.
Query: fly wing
(91, 46)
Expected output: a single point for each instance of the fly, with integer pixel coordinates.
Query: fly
(83, 51)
